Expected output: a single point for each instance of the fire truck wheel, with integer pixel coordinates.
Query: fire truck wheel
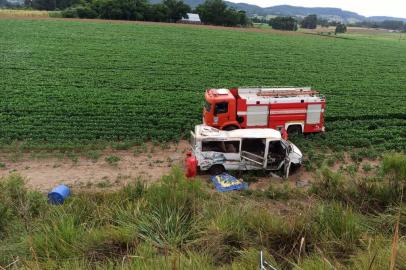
(217, 169)
(228, 128)
(294, 130)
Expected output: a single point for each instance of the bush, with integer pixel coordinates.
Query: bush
(337, 229)
(23, 203)
(216, 12)
(134, 191)
(171, 212)
(70, 13)
(4, 218)
(329, 185)
(395, 166)
(58, 237)
(309, 22)
(168, 227)
(283, 23)
(80, 12)
(340, 28)
(112, 160)
(86, 12)
(366, 194)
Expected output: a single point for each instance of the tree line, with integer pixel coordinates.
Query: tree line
(215, 12)
(311, 22)
(386, 24)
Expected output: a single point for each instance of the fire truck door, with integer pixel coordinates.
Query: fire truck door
(220, 113)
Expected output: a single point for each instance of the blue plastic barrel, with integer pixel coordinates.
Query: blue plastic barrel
(58, 194)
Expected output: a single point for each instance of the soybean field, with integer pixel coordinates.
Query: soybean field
(83, 81)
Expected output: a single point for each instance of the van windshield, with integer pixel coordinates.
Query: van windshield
(207, 106)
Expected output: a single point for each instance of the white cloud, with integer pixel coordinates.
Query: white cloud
(394, 8)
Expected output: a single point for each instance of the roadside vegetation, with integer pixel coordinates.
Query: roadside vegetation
(338, 222)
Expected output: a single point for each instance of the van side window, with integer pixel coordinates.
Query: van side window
(222, 147)
(221, 108)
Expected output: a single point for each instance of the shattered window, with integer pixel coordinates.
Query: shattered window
(221, 146)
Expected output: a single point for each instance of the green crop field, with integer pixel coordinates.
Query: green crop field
(70, 81)
(71, 85)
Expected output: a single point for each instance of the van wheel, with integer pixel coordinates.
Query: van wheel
(294, 130)
(228, 128)
(217, 169)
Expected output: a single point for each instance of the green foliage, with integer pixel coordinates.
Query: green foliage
(176, 9)
(94, 155)
(366, 167)
(134, 191)
(386, 24)
(20, 201)
(283, 23)
(340, 28)
(168, 10)
(91, 104)
(339, 229)
(58, 237)
(392, 24)
(166, 226)
(281, 192)
(53, 4)
(216, 12)
(112, 160)
(4, 218)
(309, 22)
(120, 9)
(395, 165)
(180, 222)
(80, 11)
(370, 194)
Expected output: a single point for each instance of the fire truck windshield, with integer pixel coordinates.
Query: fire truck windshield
(207, 106)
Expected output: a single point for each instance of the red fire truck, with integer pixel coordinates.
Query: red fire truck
(297, 110)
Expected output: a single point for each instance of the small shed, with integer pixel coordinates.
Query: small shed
(193, 18)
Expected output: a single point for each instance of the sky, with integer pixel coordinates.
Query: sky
(393, 8)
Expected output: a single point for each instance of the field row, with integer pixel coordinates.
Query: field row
(84, 81)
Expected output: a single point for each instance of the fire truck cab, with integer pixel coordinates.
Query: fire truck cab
(297, 110)
(243, 149)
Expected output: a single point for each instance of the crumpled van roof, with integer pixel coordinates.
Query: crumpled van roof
(203, 131)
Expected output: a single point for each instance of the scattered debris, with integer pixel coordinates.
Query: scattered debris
(275, 175)
(264, 265)
(302, 183)
(58, 194)
(225, 182)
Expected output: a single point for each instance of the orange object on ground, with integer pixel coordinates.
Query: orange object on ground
(191, 165)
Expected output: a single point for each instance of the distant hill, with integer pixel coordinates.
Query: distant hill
(333, 14)
(383, 18)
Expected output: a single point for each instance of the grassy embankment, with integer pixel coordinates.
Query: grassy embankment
(179, 224)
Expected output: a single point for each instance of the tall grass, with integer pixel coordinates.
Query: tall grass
(182, 224)
(23, 13)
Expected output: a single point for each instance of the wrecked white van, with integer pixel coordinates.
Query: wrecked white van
(243, 149)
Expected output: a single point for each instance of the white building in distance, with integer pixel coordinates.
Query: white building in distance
(191, 18)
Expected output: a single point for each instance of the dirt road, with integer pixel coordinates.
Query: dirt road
(43, 173)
